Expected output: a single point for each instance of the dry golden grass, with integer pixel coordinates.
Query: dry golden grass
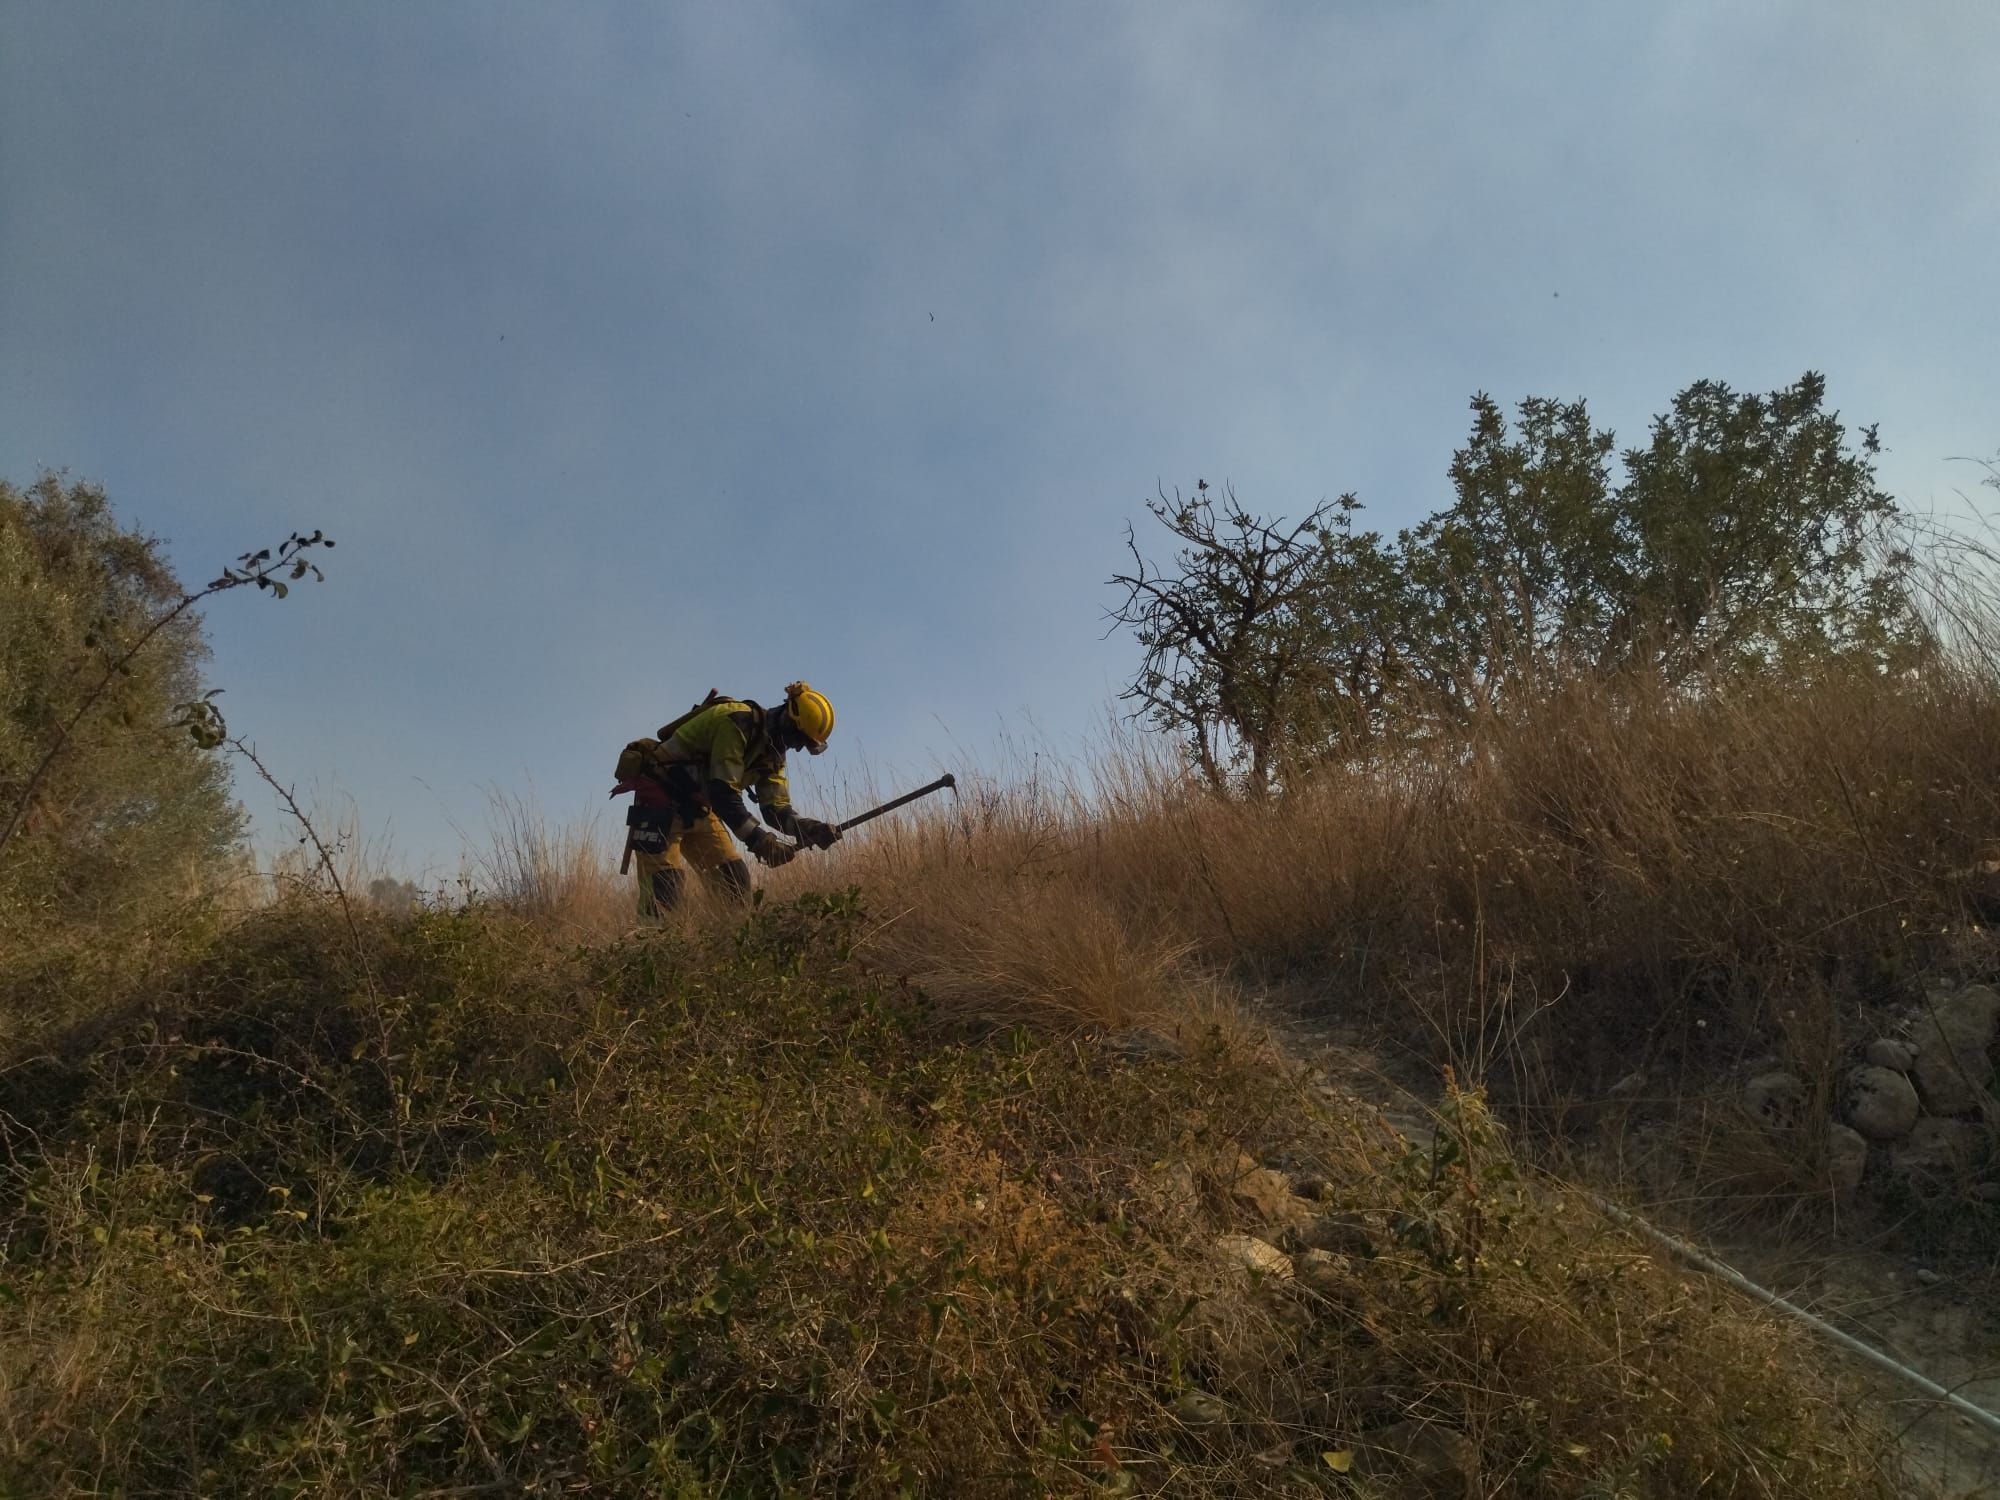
(1662, 866)
(1601, 912)
(563, 875)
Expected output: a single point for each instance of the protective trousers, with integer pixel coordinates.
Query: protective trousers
(665, 844)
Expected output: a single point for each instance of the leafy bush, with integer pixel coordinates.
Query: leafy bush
(116, 825)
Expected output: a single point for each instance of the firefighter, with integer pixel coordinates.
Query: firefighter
(688, 788)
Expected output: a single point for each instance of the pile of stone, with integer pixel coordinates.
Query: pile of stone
(1300, 1265)
(1921, 1104)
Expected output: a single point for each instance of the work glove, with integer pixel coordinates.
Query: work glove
(815, 834)
(770, 850)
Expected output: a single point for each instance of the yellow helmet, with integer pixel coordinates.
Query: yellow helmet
(811, 713)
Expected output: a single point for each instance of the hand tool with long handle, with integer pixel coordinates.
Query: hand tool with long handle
(944, 781)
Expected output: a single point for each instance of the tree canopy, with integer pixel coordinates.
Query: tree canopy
(131, 814)
(1747, 536)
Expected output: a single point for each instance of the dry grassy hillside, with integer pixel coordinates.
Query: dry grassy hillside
(444, 1205)
(962, 1167)
(1621, 888)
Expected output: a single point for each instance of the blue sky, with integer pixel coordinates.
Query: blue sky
(629, 350)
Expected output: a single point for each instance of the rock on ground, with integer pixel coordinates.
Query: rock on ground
(1887, 1052)
(1777, 1101)
(1339, 1232)
(1423, 1459)
(1249, 1253)
(1846, 1157)
(1937, 1153)
(1198, 1409)
(1952, 1069)
(1880, 1103)
(1265, 1194)
(1322, 1271)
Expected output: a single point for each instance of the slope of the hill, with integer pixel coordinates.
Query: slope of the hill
(446, 1206)
(1617, 913)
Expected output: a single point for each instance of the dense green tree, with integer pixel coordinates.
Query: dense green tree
(1748, 535)
(1525, 573)
(129, 816)
(1759, 539)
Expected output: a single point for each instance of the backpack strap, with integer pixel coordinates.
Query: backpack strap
(755, 722)
(667, 729)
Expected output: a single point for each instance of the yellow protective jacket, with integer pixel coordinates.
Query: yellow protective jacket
(721, 752)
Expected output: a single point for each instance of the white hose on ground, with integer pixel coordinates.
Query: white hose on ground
(1686, 1252)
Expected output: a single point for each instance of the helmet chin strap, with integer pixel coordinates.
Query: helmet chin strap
(786, 731)
(789, 735)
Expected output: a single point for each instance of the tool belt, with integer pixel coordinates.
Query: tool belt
(647, 828)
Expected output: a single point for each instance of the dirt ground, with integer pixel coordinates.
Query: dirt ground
(1941, 1322)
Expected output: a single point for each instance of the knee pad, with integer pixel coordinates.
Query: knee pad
(667, 887)
(734, 877)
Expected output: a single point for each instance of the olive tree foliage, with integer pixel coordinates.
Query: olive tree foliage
(110, 804)
(1747, 536)
(1521, 574)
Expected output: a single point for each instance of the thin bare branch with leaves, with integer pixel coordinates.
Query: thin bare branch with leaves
(269, 570)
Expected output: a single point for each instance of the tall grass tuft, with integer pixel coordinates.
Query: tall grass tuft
(559, 874)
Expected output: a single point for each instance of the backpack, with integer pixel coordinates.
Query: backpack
(638, 757)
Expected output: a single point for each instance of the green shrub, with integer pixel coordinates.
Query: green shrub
(458, 1210)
